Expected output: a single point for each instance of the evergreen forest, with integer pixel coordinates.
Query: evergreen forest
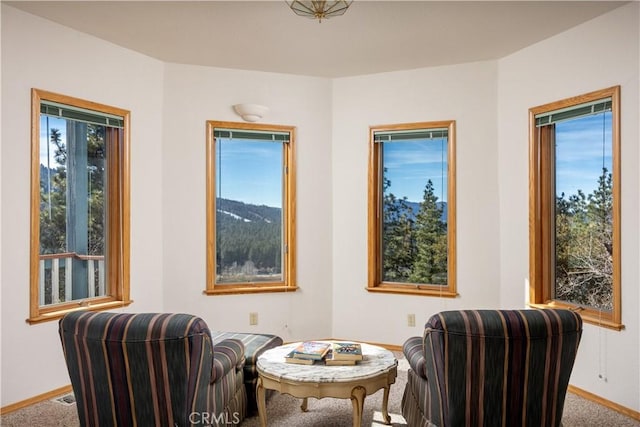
(248, 242)
(414, 243)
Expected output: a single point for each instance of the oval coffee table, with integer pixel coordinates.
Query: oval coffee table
(377, 370)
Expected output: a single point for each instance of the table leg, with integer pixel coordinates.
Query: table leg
(303, 406)
(357, 399)
(262, 407)
(385, 403)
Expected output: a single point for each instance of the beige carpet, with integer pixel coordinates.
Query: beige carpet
(284, 411)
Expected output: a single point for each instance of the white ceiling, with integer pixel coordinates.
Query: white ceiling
(372, 36)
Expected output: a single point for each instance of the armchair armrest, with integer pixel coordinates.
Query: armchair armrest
(413, 350)
(227, 355)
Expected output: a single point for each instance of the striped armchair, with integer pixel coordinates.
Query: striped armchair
(152, 369)
(491, 368)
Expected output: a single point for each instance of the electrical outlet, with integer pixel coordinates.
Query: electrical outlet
(411, 319)
(253, 318)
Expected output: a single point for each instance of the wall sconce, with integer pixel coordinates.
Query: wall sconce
(250, 112)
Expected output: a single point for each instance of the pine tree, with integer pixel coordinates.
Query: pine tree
(430, 265)
(53, 202)
(96, 147)
(398, 239)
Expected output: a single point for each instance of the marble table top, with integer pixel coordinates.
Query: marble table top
(376, 360)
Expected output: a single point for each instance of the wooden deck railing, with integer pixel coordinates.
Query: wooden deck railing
(51, 276)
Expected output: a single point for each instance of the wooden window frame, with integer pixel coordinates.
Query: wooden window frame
(541, 162)
(118, 215)
(288, 212)
(375, 262)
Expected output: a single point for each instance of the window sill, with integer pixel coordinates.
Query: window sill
(423, 290)
(46, 316)
(590, 316)
(248, 289)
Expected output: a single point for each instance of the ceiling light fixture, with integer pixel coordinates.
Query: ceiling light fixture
(319, 9)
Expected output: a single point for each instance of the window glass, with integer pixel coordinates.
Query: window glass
(584, 211)
(72, 209)
(414, 205)
(574, 198)
(411, 216)
(250, 208)
(79, 206)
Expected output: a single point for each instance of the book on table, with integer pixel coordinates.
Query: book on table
(346, 351)
(310, 350)
(329, 360)
(290, 358)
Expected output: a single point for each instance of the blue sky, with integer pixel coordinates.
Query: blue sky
(579, 159)
(411, 163)
(251, 171)
(579, 153)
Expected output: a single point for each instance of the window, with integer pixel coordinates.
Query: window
(250, 208)
(412, 209)
(79, 206)
(574, 206)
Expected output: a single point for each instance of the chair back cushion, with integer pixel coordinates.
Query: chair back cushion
(144, 369)
(500, 367)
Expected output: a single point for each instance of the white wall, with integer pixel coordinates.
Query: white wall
(38, 53)
(170, 104)
(596, 55)
(464, 93)
(194, 95)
